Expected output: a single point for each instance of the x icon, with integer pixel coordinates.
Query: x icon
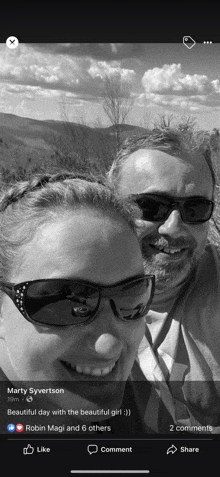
(12, 42)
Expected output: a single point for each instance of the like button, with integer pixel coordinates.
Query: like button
(28, 450)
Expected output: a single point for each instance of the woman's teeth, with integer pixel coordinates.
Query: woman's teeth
(91, 371)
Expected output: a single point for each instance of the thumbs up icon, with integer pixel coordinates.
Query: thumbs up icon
(28, 450)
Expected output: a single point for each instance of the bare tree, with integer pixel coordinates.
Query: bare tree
(80, 147)
(164, 121)
(71, 148)
(187, 125)
(146, 120)
(117, 102)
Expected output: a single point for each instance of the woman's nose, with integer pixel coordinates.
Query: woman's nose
(108, 345)
(108, 331)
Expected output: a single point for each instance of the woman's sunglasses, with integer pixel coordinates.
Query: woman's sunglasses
(60, 302)
(156, 208)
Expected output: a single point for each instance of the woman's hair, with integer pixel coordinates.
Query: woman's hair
(170, 140)
(29, 204)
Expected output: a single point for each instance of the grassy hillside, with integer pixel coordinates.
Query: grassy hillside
(25, 141)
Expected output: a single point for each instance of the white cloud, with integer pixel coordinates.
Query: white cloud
(81, 76)
(28, 66)
(170, 87)
(27, 91)
(115, 47)
(170, 78)
(101, 68)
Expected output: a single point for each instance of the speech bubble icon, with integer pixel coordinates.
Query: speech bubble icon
(92, 448)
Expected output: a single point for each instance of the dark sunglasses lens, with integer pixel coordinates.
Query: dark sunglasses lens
(154, 209)
(60, 302)
(134, 299)
(197, 210)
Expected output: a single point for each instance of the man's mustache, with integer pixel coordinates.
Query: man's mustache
(180, 242)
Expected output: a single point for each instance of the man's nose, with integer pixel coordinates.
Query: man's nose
(173, 225)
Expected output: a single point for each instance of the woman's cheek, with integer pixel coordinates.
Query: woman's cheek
(136, 333)
(32, 352)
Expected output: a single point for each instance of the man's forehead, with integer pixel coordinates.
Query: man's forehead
(148, 161)
(146, 167)
(141, 158)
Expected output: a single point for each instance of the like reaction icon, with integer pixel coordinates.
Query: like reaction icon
(11, 427)
(28, 450)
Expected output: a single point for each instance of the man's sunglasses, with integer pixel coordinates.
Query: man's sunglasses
(157, 208)
(61, 302)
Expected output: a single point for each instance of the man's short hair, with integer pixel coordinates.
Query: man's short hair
(170, 140)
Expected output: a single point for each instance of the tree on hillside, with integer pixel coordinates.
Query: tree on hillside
(75, 139)
(185, 124)
(117, 103)
(164, 121)
(146, 120)
(215, 140)
(80, 147)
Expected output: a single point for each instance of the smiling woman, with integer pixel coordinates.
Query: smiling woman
(73, 292)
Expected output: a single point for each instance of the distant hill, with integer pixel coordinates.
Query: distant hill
(125, 128)
(24, 139)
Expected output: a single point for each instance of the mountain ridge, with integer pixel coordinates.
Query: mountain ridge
(23, 139)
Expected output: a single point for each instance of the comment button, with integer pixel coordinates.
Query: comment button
(92, 448)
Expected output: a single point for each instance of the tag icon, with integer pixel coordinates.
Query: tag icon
(188, 41)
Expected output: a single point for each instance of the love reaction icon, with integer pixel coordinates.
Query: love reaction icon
(19, 428)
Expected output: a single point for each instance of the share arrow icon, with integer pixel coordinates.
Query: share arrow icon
(172, 449)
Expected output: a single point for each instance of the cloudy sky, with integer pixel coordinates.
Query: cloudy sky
(46, 81)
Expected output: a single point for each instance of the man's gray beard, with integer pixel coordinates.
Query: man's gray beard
(169, 275)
